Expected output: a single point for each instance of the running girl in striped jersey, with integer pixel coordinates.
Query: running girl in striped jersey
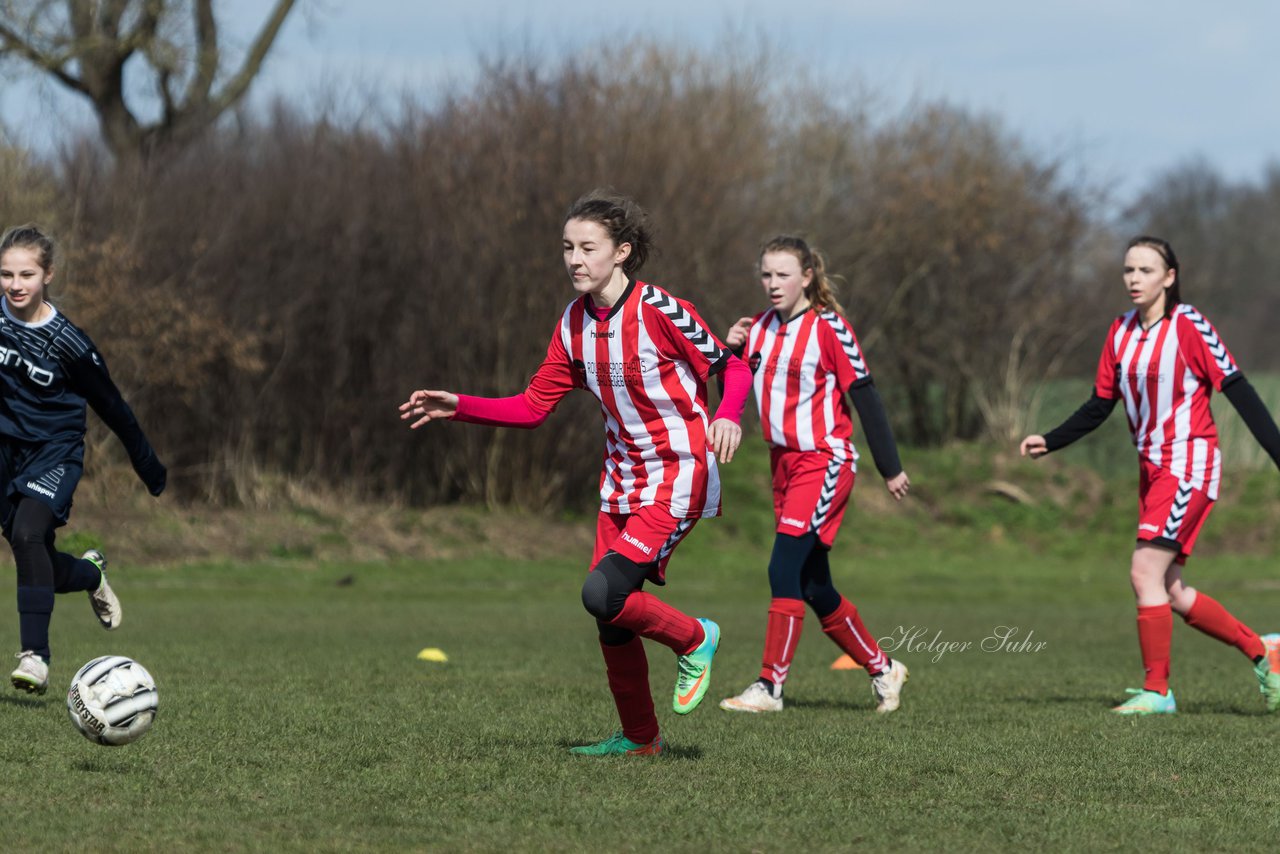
(49, 371)
(1164, 359)
(646, 356)
(805, 357)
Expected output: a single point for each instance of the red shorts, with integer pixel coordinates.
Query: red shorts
(1171, 512)
(647, 536)
(810, 492)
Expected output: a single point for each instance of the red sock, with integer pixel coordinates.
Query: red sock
(1210, 617)
(844, 626)
(650, 617)
(1155, 630)
(628, 672)
(781, 635)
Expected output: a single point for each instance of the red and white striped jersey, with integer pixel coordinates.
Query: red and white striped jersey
(647, 362)
(801, 369)
(1165, 376)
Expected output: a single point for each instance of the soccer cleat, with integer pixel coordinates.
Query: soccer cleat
(32, 673)
(887, 686)
(757, 698)
(619, 745)
(1145, 702)
(105, 604)
(1268, 672)
(693, 671)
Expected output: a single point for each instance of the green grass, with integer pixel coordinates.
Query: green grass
(295, 716)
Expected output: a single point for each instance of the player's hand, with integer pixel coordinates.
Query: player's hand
(428, 405)
(724, 436)
(1034, 446)
(898, 485)
(736, 339)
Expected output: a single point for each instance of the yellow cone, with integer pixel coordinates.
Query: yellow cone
(431, 653)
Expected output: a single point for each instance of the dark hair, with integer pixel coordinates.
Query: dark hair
(821, 291)
(623, 219)
(29, 236)
(1173, 293)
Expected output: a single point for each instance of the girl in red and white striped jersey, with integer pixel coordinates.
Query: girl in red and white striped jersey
(1164, 359)
(646, 356)
(805, 358)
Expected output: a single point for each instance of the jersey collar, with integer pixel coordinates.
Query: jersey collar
(53, 312)
(617, 306)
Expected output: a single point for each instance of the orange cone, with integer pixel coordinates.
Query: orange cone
(844, 662)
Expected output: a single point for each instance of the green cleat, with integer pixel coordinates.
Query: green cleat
(619, 745)
(1147, 703)
(1268, 672)
(693, 671)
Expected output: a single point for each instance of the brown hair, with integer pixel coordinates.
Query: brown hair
(821, 291)
(29, 236)
(623, 219)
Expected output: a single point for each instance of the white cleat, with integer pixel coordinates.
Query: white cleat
(757, 698)
(887, 687)
(32, 674)
(105, 604)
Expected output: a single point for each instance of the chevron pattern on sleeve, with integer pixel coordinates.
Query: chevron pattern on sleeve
(847, 342)
(1216, 348)
(686, 323)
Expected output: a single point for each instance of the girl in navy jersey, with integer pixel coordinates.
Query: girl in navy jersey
(805, 358)
(1164, 359)
(49, 371)
(646, 356)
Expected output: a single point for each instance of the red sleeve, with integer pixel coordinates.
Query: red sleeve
(498, 411)
(554, 378)
(737, 385)
(840, 347)
(683, 335)
(1105, 384)
(1206, 354)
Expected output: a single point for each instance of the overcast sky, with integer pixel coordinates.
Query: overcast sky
(1123, 89)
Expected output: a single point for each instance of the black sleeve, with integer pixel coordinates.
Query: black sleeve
(89, 376)
(1082, 422)
(1255, 414)
(875, 424)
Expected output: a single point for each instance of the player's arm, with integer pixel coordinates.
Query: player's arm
(1254, 413)
(89, 376)
(875, 426)
(1082, 422)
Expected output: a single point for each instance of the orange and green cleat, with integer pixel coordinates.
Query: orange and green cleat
(619, 745)
(1147, 703)
(1268, 672)
(693, 671)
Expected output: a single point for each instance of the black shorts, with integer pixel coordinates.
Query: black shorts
(49, 473)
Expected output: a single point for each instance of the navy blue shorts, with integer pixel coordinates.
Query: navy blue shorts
(49, 473)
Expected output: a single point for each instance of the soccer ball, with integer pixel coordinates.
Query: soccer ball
(112, 700)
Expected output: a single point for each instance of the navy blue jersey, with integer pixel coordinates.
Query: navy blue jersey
(49, 371)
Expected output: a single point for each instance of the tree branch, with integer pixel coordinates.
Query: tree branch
(13, 41)
(239, 84)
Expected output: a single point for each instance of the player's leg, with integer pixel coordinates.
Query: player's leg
(1151, 561)
(86, 573)
(1204, 613)
(627, 669)
(32, 521)
(782, 628)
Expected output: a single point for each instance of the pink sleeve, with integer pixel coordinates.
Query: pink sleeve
(499, 411)
(737, 385)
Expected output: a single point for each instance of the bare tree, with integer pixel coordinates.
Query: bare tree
(85, 46)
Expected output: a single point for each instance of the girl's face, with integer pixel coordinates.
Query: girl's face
(1146, 278)
(785, 284)
(591, 256)
(23, 280)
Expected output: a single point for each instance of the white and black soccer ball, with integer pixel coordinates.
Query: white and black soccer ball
(112, 700)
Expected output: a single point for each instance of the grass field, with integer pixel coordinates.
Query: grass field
(294, 714)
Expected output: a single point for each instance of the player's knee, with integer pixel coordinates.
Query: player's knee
(607, 586)
(611, 635)
(824, 599)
